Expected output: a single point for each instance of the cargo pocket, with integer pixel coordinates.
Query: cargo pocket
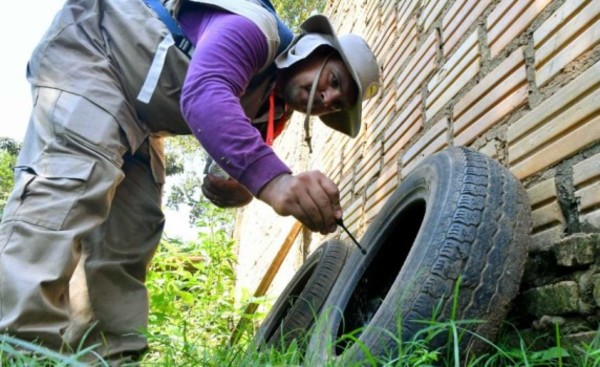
(46, 191)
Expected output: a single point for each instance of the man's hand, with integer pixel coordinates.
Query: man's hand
(225, 193)
(311, 197)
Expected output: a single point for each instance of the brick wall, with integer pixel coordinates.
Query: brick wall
(518, 80)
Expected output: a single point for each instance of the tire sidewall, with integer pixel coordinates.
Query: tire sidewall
(434, 181)
(311, 272)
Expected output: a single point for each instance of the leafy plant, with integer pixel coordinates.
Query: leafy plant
(194, 312)
(294, 12)
(9, 149)
(191, 285)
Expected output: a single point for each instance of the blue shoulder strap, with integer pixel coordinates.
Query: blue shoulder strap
(285, 34)
(180, 39)
(285, 38)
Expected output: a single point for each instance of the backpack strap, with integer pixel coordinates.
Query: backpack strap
(285, 38)
(285, 34)
(181, 41)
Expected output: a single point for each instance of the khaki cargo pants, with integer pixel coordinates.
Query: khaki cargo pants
(78, 190)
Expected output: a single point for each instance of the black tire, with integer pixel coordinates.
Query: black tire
(457, 215)
(297, 308)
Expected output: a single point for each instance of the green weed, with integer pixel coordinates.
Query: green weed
(194, 312)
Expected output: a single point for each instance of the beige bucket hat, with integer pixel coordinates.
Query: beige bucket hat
(356, 54)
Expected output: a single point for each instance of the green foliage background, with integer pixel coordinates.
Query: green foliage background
(294, 12)
(191, 288)
(9, 149)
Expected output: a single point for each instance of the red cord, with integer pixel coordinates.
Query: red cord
(271, 122)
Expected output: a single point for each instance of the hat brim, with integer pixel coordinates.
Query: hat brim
(347, 121)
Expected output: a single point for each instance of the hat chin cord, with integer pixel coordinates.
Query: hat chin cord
(311, 98)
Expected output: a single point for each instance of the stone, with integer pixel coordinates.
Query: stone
(555, 299)
(577, 250)
(596, 282)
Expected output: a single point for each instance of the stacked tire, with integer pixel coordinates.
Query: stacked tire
(449, 244)
(296, 309)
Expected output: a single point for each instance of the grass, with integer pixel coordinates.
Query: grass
(414, 353)
(193, 313)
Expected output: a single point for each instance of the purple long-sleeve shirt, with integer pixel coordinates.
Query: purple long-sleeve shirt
(230, 49)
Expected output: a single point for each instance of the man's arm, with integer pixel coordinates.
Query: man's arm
(230, 49)
(228, 53)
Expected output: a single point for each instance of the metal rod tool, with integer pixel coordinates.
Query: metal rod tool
(340, 222)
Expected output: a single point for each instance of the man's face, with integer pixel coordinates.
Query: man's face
(335, 89)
